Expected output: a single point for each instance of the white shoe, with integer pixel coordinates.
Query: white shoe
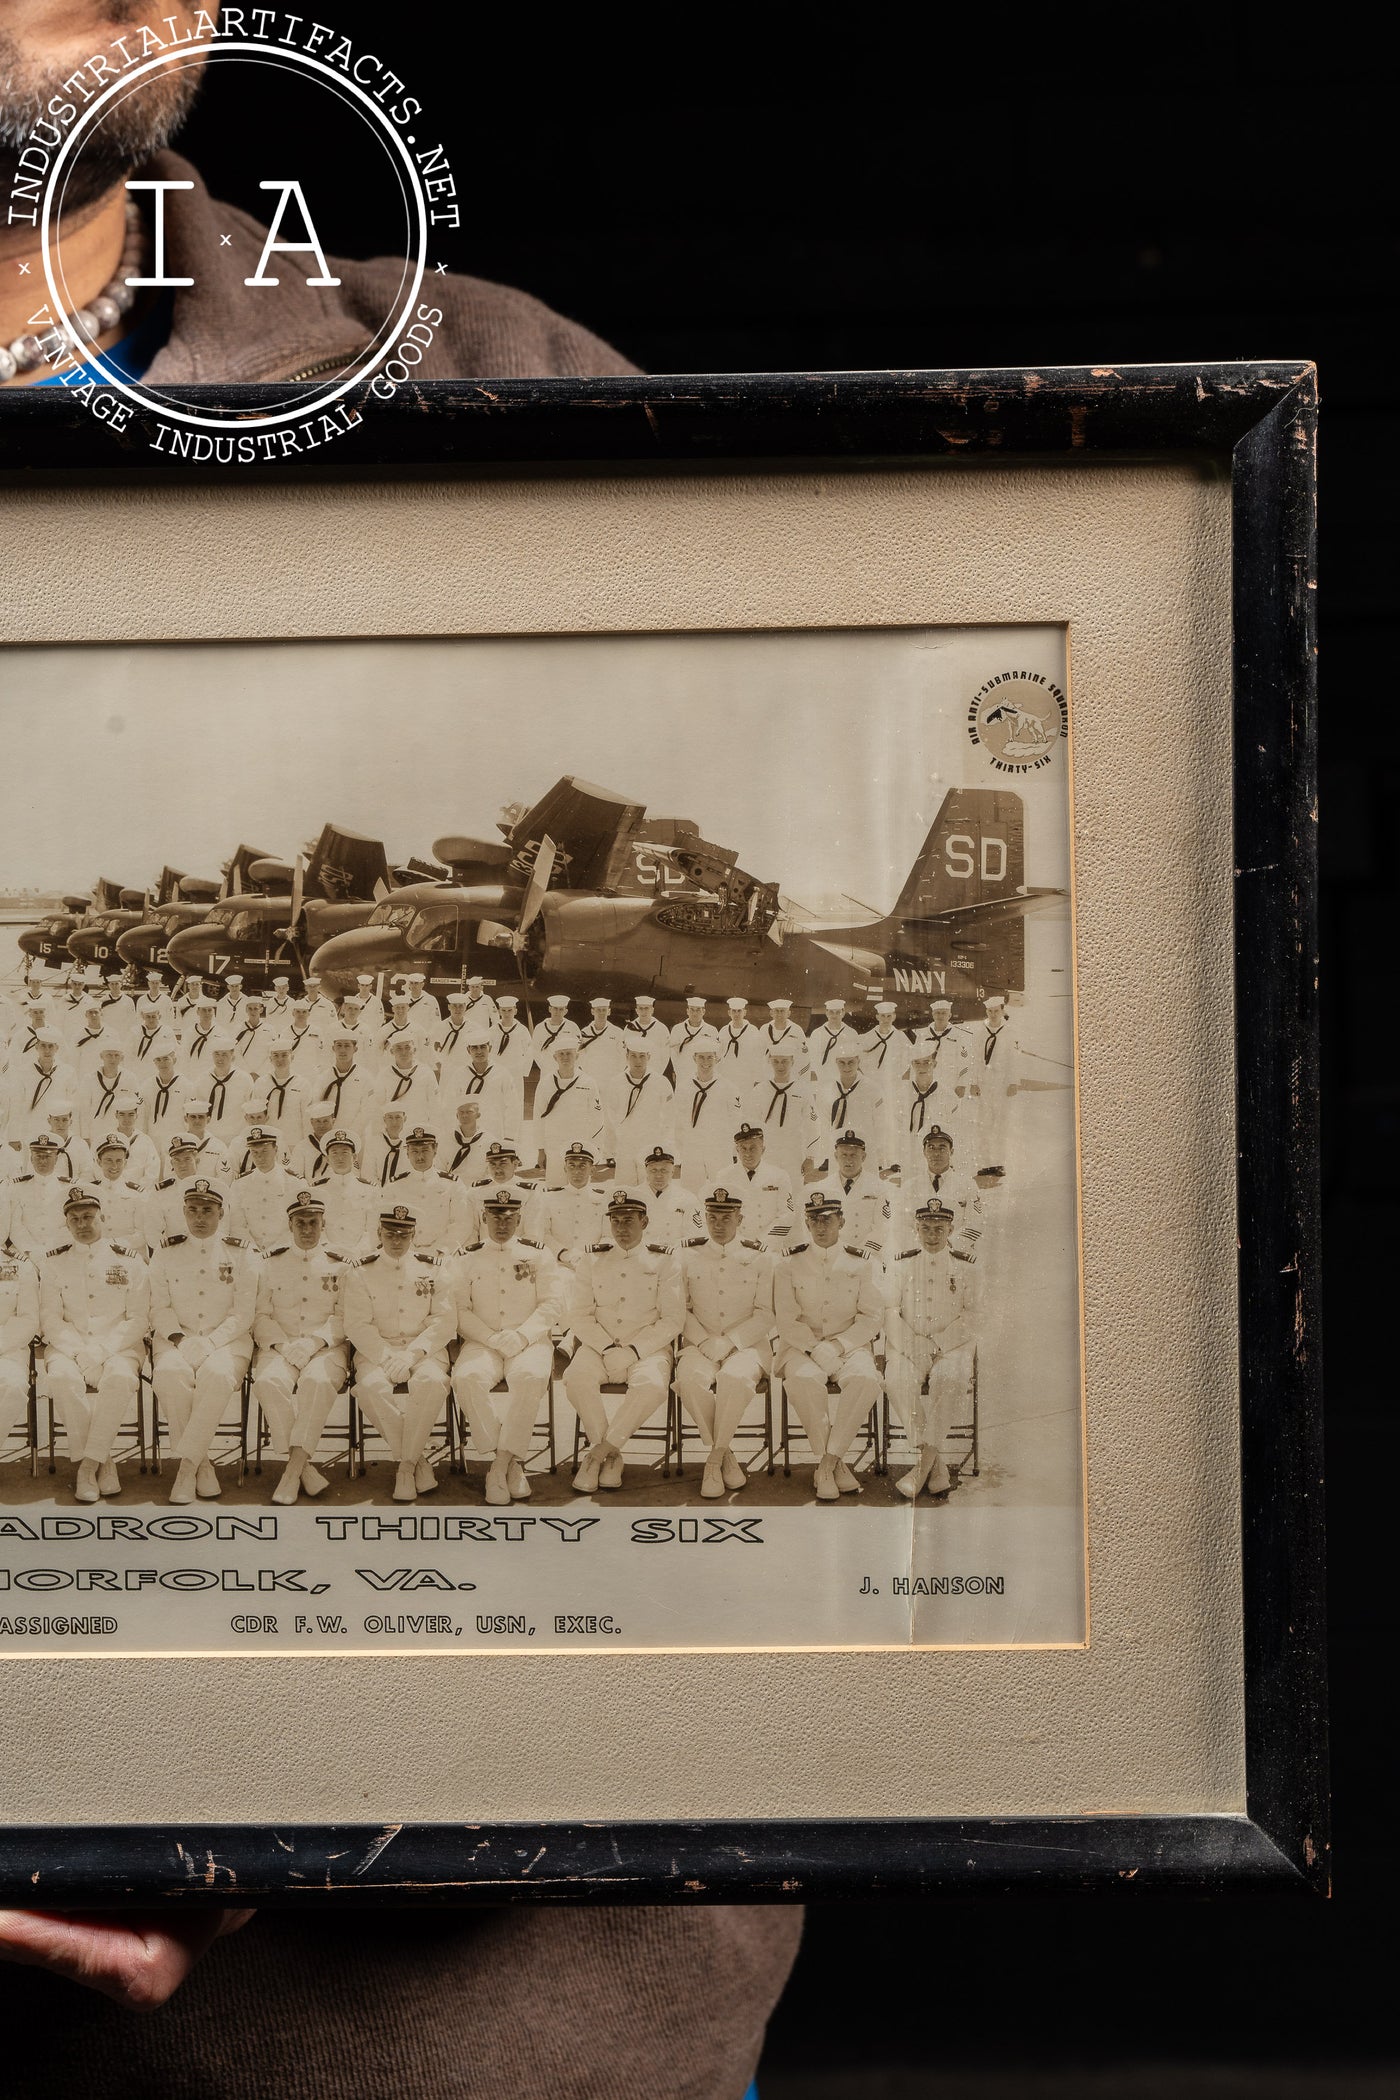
(313, 1482)
(936, 1481)
(824, 1482)
(610, 1476)
(207, 1481)
(85, 1488)
(845, 1479)
(424, 1477)
(734, 1475)
(405, 1482)
(910, 1484)
(497, 1491)
(518, 1481)
(183, 1487)
(589, 1472)
(108, 1478)
(287, 1487)
(712, 1481)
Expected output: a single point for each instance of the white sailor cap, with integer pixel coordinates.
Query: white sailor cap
(58, 1109)
(508, 999)
(300, 1005)
(233, 980)
(154, 977)
(558, 1002)
(704, 1042)
(204, 1005)
(395, 1109)
(638, 1046)
(280, 1048)
(780, 1006)
(403, 1042)
(471, 1101)
(48, 1037)
(886, 1006)
(940, 1006)
(601, 1000)
(694, 1001)
(321, 1111)
(644, 999)
(280, 984)
(458, 999)
(478, 1039)
(344, 1035)
(126, 1104)
(777, 1050)
(480, 983)
(567, 1039)
(310, 977)
(835, 1006)
(222, 1042)
(417, 977)
(398, 997)
(736, 1005)
(993, 999)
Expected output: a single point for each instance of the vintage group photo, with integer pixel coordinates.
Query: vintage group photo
(619, 1073)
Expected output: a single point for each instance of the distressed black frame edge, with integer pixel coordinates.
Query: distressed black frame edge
(1263, 418)
(703, 1862)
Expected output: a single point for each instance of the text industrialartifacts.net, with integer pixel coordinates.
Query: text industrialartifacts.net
(539, 1143)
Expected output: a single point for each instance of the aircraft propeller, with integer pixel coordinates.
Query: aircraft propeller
(530, 907)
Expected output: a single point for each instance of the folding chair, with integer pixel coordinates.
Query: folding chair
(877, 1429)
(666, 1432)
(760, 1434)
(131, 1435)
(970, 1432)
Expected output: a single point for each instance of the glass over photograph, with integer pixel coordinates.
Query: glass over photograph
(548, 1142)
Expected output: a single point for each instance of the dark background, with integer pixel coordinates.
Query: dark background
(1230, 199)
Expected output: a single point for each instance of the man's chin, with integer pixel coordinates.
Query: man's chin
(122, 139)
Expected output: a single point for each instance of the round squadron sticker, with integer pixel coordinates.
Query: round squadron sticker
(1018, 718)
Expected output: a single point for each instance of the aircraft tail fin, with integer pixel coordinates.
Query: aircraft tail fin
(974, 854)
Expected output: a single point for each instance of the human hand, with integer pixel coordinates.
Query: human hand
(140, 1958)
(509, 1342)
(194, 1348)
(617, 1361)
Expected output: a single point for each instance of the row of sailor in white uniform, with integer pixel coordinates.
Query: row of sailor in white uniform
(720, 1310)
(802, 1119)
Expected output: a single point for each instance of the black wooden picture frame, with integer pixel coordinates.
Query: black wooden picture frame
(1257, 421)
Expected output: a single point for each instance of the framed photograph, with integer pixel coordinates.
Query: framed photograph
(659, 1214)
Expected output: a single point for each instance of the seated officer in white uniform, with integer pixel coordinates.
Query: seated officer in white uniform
(728, 1325)
(204, 1291)
(397, 1309)
(19, 1324)
(443, 1208)
(673, 1211)
(829, 1309)
(352, 1203)
(93, 1313)
(300, 1364)
(766, 1189)
(567, 1220)
(511, 1298)
(929, 1335)
(261, 1196)
(628, 1310)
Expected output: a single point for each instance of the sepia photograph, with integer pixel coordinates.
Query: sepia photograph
(474, 1109)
